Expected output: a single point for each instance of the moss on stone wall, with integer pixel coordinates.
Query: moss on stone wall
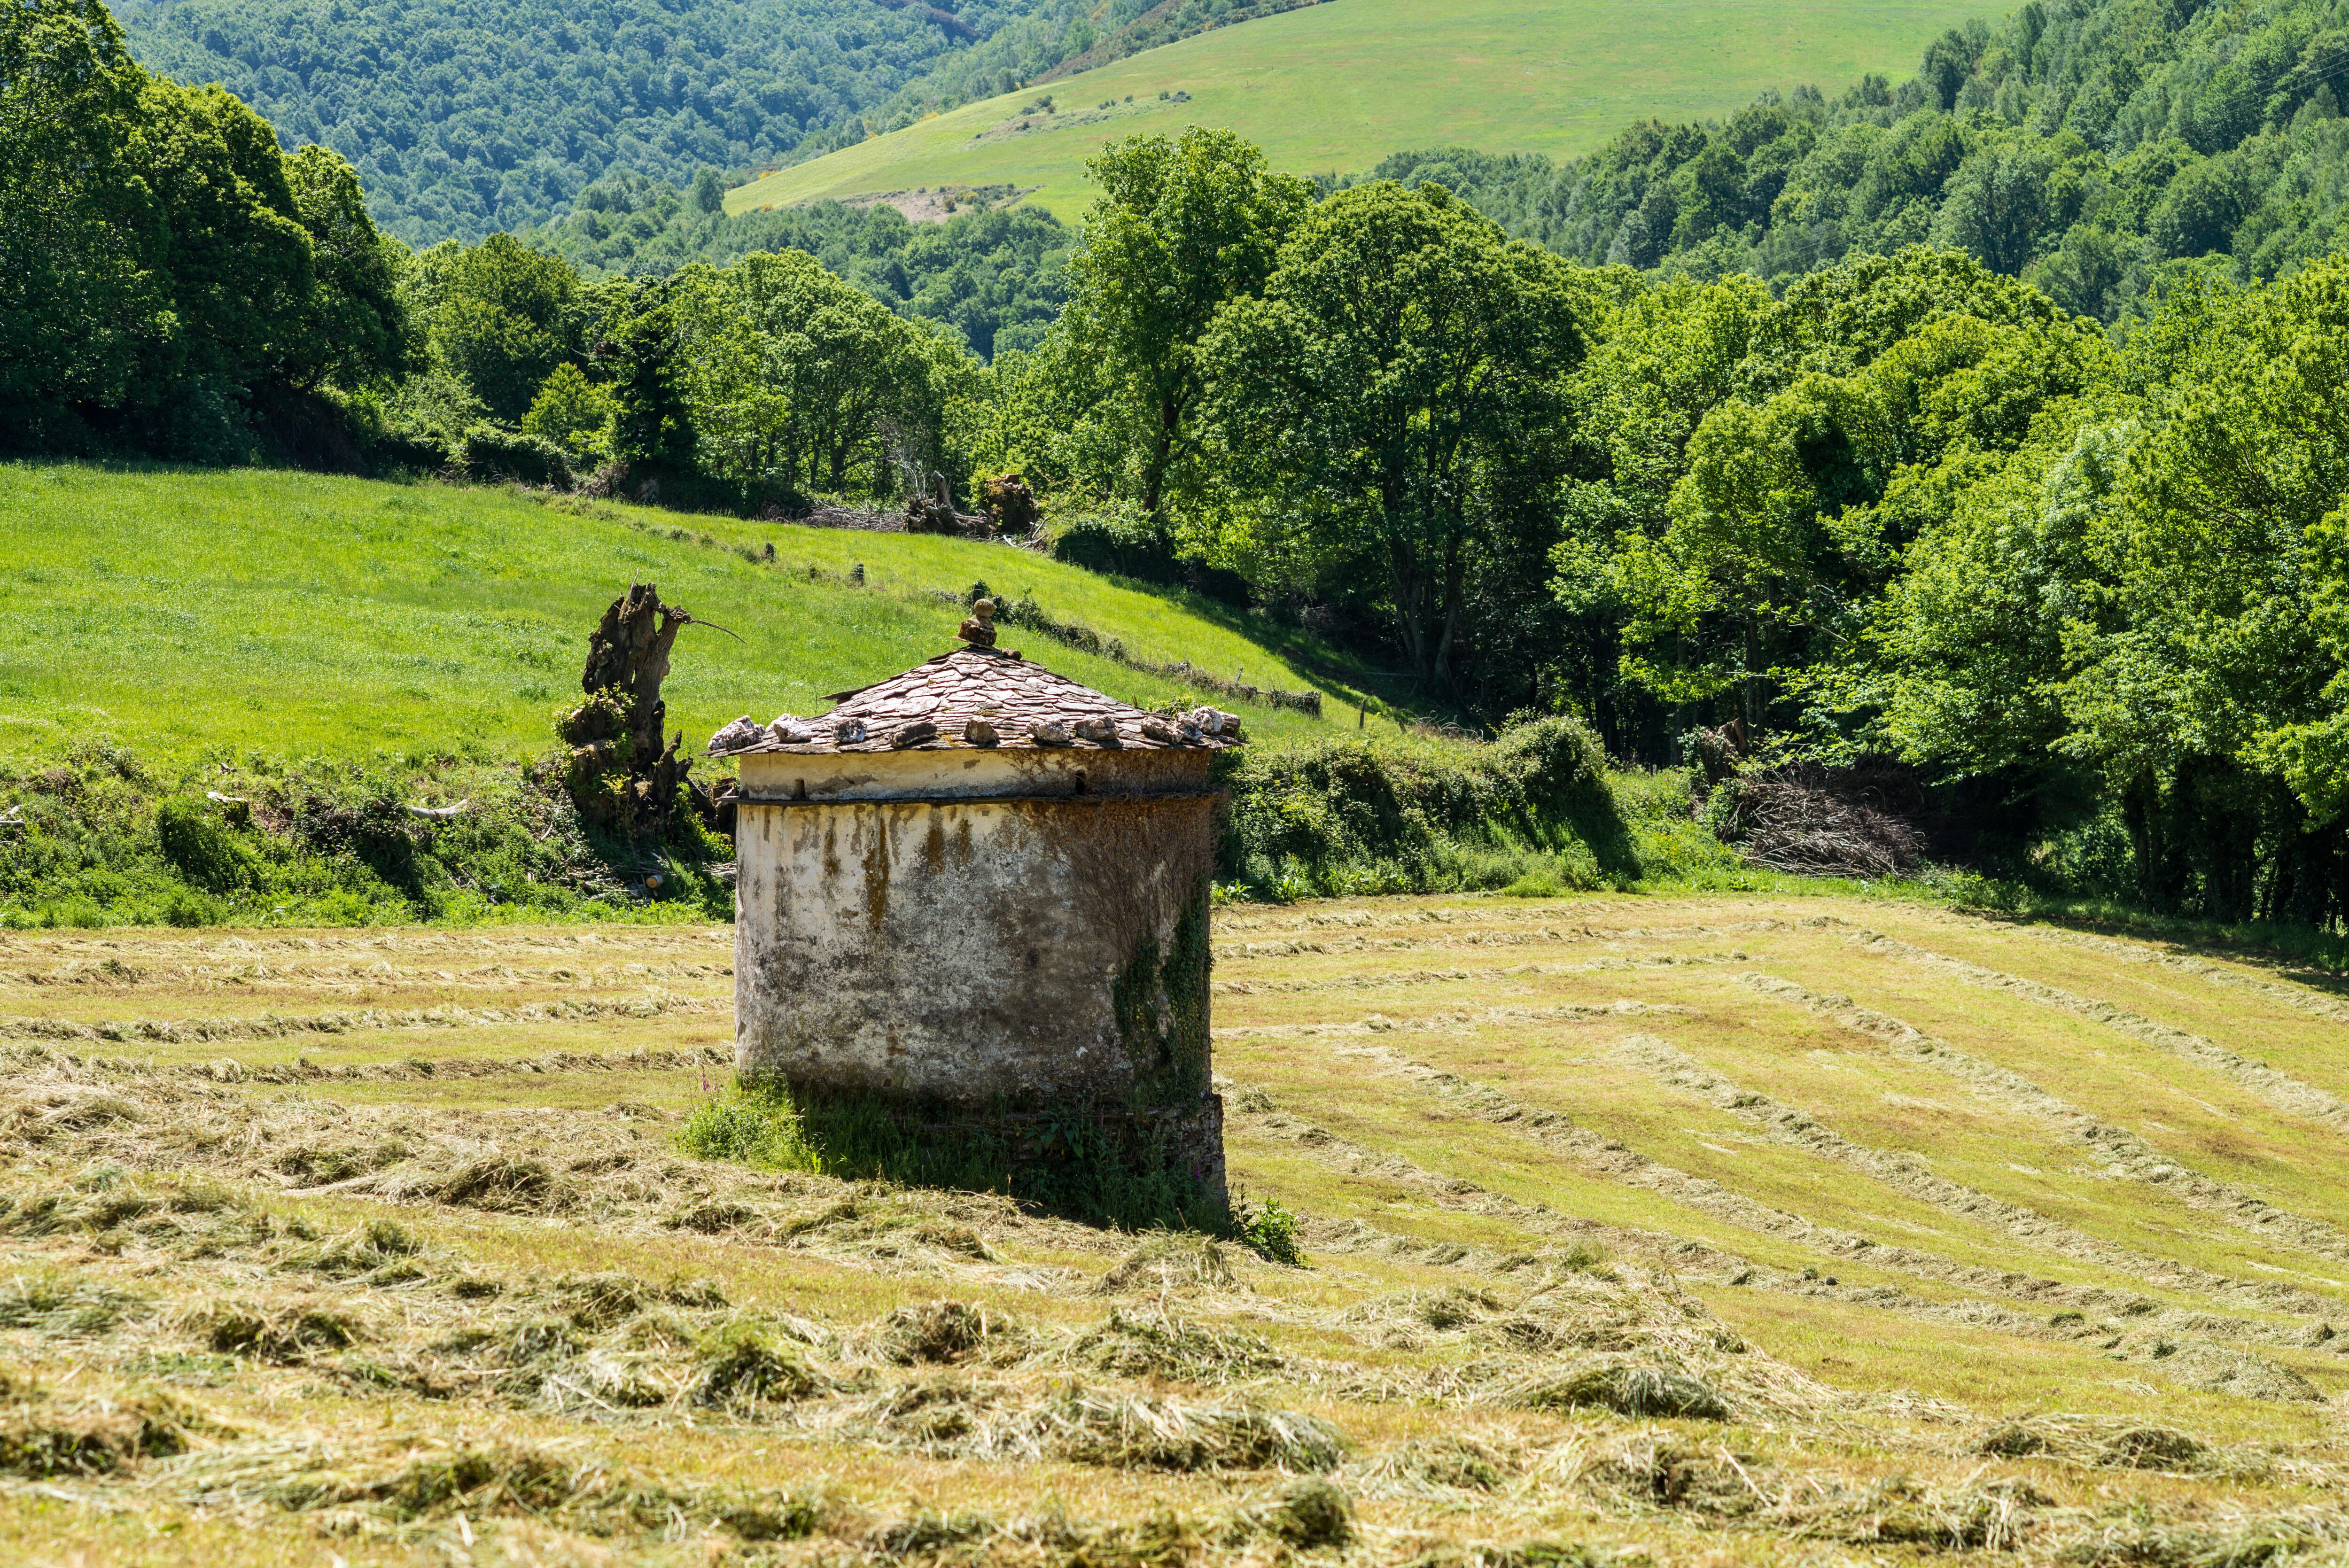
(1160, 1002)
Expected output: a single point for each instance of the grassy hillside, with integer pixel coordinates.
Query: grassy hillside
(1737, 1231)
(1339, 86)
(175, 611)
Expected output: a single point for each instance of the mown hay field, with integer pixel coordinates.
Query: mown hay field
(1638, 1229)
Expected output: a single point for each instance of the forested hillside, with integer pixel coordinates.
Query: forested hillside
(2083, 143)
(465, 117)
(992, 274)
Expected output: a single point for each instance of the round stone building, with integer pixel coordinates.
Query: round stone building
(974, 897)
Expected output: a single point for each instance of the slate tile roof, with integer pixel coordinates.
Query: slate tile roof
(978, 696)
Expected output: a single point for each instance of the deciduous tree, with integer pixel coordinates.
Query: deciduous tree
(1376, 393)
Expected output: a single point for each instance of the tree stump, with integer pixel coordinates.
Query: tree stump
(622, 777)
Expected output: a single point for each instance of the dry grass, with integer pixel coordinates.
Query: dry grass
(1665, 1230)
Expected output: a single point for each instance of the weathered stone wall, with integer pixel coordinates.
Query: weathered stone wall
(1026, 951)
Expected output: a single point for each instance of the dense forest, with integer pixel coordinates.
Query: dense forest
(2084, 144)
(995, 275)
(464, 118)
(2076, 594)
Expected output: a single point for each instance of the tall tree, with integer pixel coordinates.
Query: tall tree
(79, 303)
(1181, 227)
(1377, 396)
(358, 331)
(501, 317)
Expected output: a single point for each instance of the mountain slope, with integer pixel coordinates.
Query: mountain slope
(466, 116)
(1341, 85)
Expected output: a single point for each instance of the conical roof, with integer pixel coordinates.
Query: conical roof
(932, 706)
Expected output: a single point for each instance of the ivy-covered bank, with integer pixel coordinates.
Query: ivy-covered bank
(102, 838)
(1536, 811)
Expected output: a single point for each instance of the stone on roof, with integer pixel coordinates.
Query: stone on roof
(984, 698)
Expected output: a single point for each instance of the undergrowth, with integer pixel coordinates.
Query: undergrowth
(1534, 813)
(101, 839)
(105, 838)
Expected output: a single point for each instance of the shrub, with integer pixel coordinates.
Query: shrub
(488, 452)
(1270, 1232)
(753, 1124)
(1402, 814)
(1125, 542)
(204, 849)
(98, 843)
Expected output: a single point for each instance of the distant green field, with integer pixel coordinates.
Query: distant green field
(297, 615)
(1339, 86)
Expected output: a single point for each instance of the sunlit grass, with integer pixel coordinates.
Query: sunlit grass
(177, 612)
(1337, 87)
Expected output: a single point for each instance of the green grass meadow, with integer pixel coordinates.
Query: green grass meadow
(176, 611)
(1339, 86)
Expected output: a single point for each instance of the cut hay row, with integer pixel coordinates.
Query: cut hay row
(1418, 977)
(1682, 1255)
(2280, 1091)
(1909, 1175)
(112, 976)
(357, 1020)
(148, 949)
(2300, 998)
(1451, 1023)
(2117, 1148)
(227, 1069)
(1614, 1161)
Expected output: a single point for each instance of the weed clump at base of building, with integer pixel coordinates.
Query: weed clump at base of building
(1103, 1169)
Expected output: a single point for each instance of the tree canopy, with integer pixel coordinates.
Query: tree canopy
(2086, 144)
(165, 271)
(1385, 393)
(995, 274)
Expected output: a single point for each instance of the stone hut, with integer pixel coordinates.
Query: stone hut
(975, 895)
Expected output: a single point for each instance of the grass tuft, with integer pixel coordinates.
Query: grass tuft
(64, 1307)
(284, 1332)
(1627, 1391)
(945, 1333)
(742, 1368)
(1140, 1344)
(1170, 1262)
(1310, 1513)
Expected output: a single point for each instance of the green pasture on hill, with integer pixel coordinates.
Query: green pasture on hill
(1339, 86)
(298, 614)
